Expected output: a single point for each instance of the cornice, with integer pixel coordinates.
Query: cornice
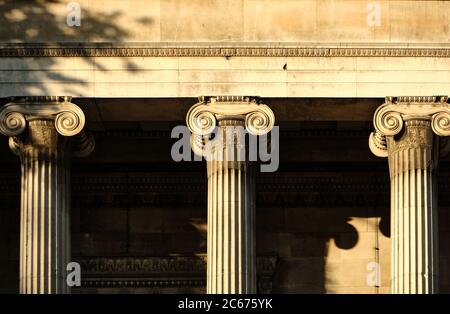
(65, 50)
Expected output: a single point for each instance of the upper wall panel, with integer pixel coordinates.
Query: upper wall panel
(246, 21)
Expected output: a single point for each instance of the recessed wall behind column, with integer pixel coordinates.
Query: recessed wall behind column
(324, 213)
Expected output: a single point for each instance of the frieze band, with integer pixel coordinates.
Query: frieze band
(70, 51)
(159, 272)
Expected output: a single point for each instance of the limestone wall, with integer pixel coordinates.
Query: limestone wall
(227, 21)
(284, 48)
(194, 76)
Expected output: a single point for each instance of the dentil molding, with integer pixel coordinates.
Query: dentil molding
(111, 50)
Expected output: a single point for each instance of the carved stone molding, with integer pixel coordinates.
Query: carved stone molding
(296, 134)
(165, 190)
(389, 118)
(68, 118)
(57, 111)
(66, 50)
(408, 131)
(39, 129)
(84, 144)
(202, 117)
(229, 270)
(149, 190)
(159, 272)
(236, 112)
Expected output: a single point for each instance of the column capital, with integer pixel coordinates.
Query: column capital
(389, 118)
(67, 117)
(54, 111)
(202, 118)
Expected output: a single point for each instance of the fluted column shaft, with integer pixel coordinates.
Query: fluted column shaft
(412, 161)
(40, 129)
(231, 193)
(231, 215)
(45, 209)
(411, 132)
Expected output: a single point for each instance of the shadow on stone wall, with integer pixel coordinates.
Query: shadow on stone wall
(305, 217)
(154, 210)
(31, 22)
(304, 262)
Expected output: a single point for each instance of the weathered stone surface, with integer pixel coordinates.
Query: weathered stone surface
(248, 21)
(413, 156)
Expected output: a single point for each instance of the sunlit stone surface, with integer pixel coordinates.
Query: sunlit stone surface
(40, 127)
(407, 131)
(231, 188)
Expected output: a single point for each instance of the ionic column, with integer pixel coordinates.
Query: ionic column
(408, 131)
(231, 196)
(40, 129)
